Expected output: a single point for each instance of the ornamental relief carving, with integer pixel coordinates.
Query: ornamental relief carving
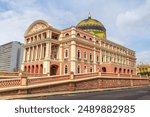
(37, 28)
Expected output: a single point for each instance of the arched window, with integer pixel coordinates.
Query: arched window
(90, 39)
(78, 69)
(79, 54)
(66, 69)
(66, 53)
(78, 34)
(85, 69)
(115, 70)
(102, 58)
(67, 34)
(90, 56)
(103, 69)
(97, 58)
(84, 37)
(85, 55)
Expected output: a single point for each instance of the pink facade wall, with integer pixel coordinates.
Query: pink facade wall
(36, 66)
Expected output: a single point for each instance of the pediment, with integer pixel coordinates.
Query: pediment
(37, 26)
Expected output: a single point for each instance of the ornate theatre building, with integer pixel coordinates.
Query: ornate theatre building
(79, 49)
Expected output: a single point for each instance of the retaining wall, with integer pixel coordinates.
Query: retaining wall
(32, 85)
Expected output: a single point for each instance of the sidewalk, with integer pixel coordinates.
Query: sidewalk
(60, 93)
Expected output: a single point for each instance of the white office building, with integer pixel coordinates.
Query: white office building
(11, 55)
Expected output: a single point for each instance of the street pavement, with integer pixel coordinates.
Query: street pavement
(142, 93)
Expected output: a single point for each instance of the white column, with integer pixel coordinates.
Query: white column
(46, 66)
(41, 52)
(49, 33)
(105, 56)
(28, 54)
(33, 54)
(37, 52)
(60, 58)
(73, 51)
(47, 59)
(94, 59)
(73, 56)
(100, 56)
(48, 50)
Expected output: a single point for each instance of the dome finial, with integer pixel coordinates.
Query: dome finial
(89, 15)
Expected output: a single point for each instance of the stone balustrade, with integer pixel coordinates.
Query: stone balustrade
(10, 83)
(23, 81)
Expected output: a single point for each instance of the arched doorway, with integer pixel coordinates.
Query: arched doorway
(128, 71)
(37, 68)
(131, 71)
(53, 70)
(115, 70)
(120, 70)
(103, 69)
(28, 69)
(32, 68)
(41, 69)
(124, 71)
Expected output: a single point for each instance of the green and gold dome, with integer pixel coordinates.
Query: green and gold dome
(93, 26)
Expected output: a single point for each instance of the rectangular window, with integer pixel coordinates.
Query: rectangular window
(66, 69)
(78, 69)
(90, 56)
(91, 70)
(66, 53)
(85, 69)
(85, 55)
(97, 58)
(79, 54)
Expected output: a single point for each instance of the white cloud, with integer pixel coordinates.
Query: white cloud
(144, 57)
(21, 14)
(132, 22)
(14, 22)
(135, 21)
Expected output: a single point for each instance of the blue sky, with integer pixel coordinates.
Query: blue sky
(127, 21)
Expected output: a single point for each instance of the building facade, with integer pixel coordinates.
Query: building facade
(79, 49)
(11, 56)
(143, 68)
